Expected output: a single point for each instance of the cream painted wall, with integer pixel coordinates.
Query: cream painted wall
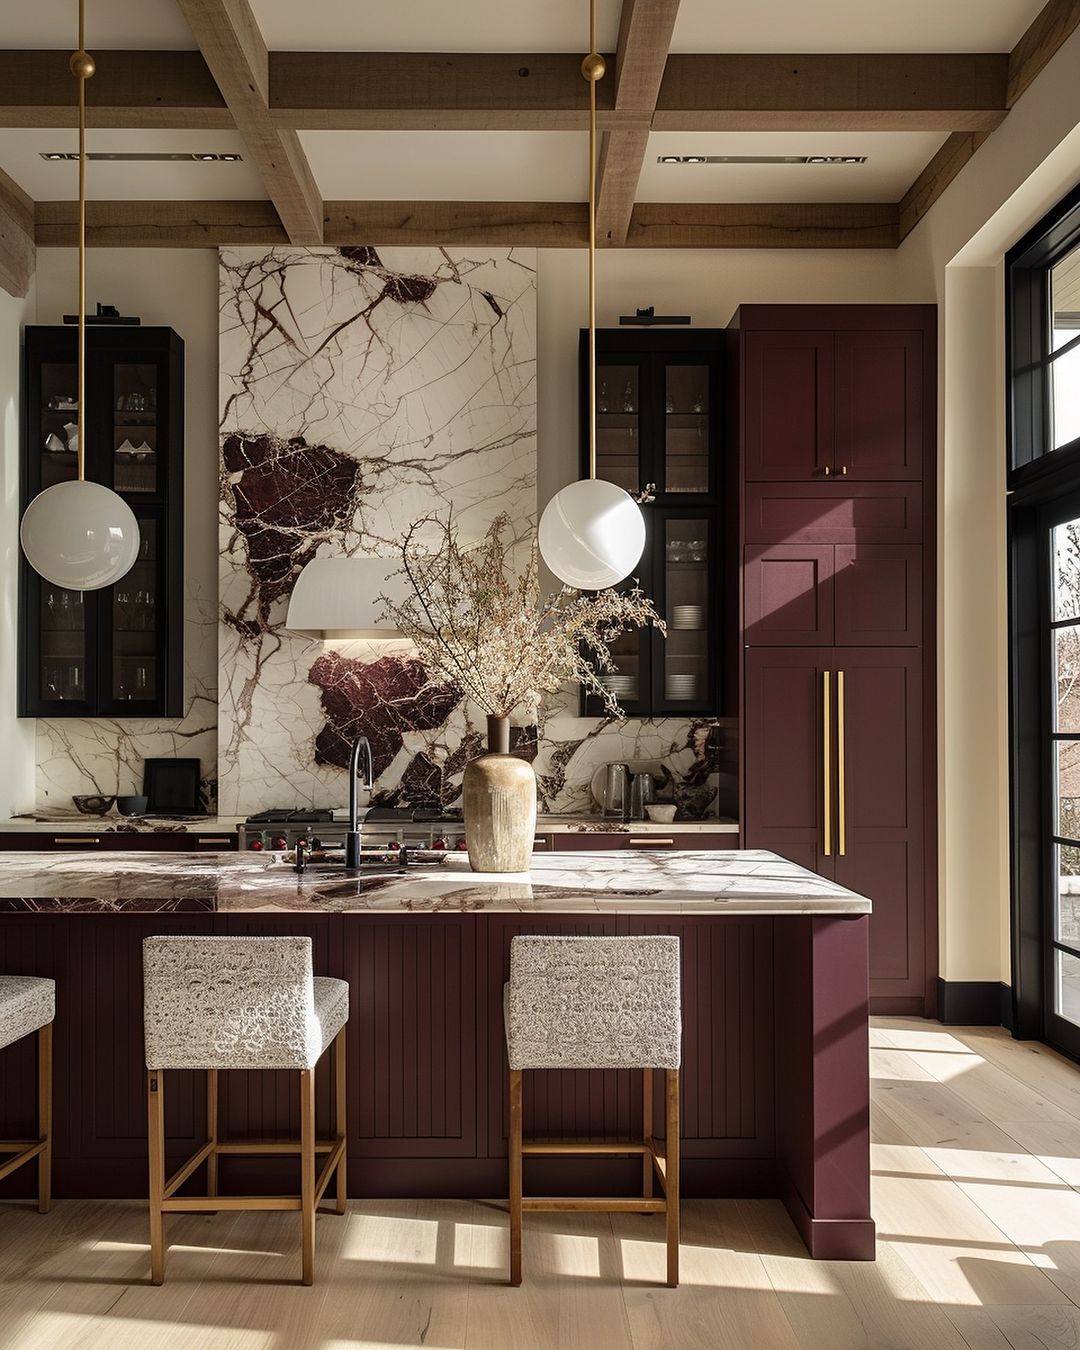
(955, 257)
(16, 736)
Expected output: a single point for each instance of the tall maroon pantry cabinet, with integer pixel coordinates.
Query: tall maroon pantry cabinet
(834, 408)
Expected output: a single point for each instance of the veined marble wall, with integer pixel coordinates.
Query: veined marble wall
(360, 390)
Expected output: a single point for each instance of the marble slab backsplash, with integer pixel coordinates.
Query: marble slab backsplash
(361, 389)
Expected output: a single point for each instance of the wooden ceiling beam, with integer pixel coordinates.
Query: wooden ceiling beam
(236, 54)
(1048, 31)
(17, 247)
(539, 91)
(479, 224)
(645, 30)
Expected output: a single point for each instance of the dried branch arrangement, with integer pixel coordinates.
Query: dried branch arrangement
(477, 618)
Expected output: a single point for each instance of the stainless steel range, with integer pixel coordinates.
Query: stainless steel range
(381, 827)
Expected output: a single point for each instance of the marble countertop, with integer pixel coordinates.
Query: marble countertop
(716, 882)
(49, 822)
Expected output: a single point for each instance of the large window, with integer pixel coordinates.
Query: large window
(1043, 288)
(1043, 294)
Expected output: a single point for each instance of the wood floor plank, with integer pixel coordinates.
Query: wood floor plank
(1056, 1144)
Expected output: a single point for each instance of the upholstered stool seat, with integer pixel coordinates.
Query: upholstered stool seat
(28, 1005)
(223, 1003)
(597, 1003)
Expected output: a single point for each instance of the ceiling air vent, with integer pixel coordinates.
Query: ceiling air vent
(761, 159)
(143, 158)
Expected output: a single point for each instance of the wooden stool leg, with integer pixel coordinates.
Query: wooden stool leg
(339, 1116)
(155, 1111)
(307, 1174)
(45, 1091)
(212, 1130)
(647, 1165)
(672, 1152)
(514, 1146)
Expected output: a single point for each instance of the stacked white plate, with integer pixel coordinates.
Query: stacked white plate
(622, 686)
(681, 687)
(687, 616)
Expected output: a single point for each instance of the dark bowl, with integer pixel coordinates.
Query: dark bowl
(93, 806)
(132, 806)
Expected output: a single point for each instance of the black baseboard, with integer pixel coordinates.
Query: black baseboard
(975, 1003)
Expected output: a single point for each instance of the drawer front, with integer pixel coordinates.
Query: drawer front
(821, 513)
(589, 841)
(79, 841)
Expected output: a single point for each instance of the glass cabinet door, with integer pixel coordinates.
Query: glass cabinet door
(687, 657)
(135, 427)
(62, 656)
(618, 425)
(687, 433)
(57, 423)
(134, 657)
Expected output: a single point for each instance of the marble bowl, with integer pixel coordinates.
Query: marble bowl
(661, 813)
(94, 805)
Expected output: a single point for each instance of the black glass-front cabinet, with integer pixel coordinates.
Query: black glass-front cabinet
(116, 652)
(658, 427)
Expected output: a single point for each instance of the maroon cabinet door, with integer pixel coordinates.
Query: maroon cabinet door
(785, 748)
(826, 513)
(877, 595)
(880, 809)
(788, 595)
(788, 405)
(878, 426)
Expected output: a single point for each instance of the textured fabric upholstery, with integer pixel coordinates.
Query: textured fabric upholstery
(27, 1003)
(593, 1003)
(237, 1003)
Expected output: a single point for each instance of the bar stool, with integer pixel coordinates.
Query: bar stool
(597, 1003)
(28, 1004)
(218, 1003)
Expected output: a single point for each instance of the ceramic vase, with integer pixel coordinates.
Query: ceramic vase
(499, 805)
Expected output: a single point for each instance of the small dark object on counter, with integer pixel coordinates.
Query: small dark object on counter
(93, 805)
(132, 806)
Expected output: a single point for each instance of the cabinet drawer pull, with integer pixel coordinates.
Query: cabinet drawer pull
(212, 839)
(76, 839)
(539, 842)
(651, 843)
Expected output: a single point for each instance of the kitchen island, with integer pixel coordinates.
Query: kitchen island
(775, 1074)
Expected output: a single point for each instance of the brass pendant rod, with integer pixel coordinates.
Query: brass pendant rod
(82, 67)
(593, 70)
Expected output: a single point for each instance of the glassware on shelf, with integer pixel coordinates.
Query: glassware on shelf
(601, 398)
(628, 398)
(73, 685)
(669, 404)
(698, 404)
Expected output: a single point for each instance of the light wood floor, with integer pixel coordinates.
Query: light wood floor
(976, 1196)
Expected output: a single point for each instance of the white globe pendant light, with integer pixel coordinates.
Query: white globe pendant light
(80, 535)
(592, 532)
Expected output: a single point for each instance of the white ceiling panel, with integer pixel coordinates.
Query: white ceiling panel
(852, 25)
(165, 180)
(109, 23)
(435, 25)
(894, 161)
(523, 166)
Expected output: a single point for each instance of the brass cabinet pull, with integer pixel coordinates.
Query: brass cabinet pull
(827, 471)
(76, 839)
(841, 793)
(651, 843)
(843, 470)
(213, 839)
(540, 841)
(826, 756)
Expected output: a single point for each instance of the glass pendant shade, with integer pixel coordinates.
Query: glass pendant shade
(80, 535)
(592, 534)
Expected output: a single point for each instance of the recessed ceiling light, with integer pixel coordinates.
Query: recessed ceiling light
(761, 159)
(140, 157)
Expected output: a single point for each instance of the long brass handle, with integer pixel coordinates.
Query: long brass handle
(215, 839)
(76, 839)
(826, 756)
(841, 793)
(651, 842)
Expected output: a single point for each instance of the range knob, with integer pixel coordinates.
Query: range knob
(439, 843)
(256, 845)
(394, 844)
(462, 844)
(280, 842)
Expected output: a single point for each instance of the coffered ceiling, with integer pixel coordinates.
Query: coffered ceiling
(464, 122)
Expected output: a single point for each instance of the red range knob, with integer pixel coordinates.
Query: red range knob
(462, 844)
(280, 842)
(439, 843)
(256, 845)
(394, 845)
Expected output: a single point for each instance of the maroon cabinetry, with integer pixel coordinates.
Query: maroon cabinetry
(838, 618)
